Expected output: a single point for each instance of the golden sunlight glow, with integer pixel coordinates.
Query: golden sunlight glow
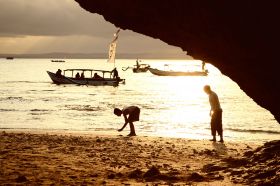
(20, 45)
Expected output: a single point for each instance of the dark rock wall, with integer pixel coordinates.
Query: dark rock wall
(239, 37)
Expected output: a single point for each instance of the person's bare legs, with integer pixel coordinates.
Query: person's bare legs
(132, 130)
(214, 139)
(221, 138)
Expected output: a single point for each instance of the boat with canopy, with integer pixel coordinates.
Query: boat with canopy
(90, 76)
(86, 77)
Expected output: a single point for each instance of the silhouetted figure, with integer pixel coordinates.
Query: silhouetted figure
(130, 115)
(82, 75)
(115, 73)
(77, 76)
(58, 73)
(96, 76)
(203, 65)
(215, 113)
(137, 64)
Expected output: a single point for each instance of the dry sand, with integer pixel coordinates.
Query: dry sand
(56, 159)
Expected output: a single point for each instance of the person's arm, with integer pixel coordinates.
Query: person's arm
(124, 125)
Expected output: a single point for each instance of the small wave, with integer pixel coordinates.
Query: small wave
(7, 110)
(149, 107)
(92, 94)
(254, 131)
(26, 82)
(14, 98)
(83, 107)
(48, 90)
(41, 90)
(18, 81)
(101, 129)
(39, 110)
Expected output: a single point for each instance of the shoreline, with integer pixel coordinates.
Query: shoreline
(90, 159)
(124, 133)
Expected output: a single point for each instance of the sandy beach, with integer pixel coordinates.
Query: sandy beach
(78, 159)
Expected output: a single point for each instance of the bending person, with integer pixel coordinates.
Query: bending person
(130, 115)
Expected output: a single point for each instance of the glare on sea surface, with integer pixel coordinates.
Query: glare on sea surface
(180, 100)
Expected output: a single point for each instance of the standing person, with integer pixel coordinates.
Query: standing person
(115, 73)
(137, 64)
(203, 66)
(215, 113)
(130, 115)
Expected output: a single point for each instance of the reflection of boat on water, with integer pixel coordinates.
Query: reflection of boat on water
(57, 61)
(177, 73)
(107, 77)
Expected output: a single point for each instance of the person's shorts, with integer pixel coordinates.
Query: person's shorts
(134, 116)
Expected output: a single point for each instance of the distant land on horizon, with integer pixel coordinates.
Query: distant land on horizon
(98, 56)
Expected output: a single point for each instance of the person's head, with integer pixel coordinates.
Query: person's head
(207, 89)
(117, 112)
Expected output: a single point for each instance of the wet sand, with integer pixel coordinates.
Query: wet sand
(79, 159)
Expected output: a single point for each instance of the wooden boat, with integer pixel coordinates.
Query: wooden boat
(110, 78)
(139, 68)
(93, 78)
(177, 73)
(58, 61)
(10, 58)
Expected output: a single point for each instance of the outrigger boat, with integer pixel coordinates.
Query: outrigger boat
(57, 61)
(107, 78)
(169, 72)
(138, 67)
(177, 73)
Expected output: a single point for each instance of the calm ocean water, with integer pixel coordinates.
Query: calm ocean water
(170, 106)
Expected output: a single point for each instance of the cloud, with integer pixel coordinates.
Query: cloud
(49, 18)
(41, 26)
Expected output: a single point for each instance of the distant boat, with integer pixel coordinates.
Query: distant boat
(93, 79)
(177, 73)
(10, 58)
(141, 68)
(138, 67)
(58, 61)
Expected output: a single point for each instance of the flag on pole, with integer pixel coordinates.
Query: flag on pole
(113, 46)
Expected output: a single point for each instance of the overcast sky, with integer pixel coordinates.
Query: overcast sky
(43, 26)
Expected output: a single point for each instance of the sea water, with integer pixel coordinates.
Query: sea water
(170, 106)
